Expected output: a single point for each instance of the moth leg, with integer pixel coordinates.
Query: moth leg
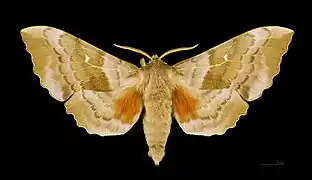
(142, 62)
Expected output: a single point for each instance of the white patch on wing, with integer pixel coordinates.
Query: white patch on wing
(225, 57)
(87, 58)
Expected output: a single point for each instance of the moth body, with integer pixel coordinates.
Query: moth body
(156, 90)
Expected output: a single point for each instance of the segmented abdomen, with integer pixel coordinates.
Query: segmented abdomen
(156, 124)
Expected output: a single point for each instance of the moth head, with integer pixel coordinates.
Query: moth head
(155, 58)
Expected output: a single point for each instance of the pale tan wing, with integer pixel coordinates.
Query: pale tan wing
(66, 64)
(96, 85)
(228, 75)
(208, 113)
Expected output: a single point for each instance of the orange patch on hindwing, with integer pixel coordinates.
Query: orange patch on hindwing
(184, 104)
(128, 105)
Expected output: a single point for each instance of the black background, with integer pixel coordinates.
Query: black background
(52, 141)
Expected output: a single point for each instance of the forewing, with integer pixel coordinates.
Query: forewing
(228, 75)
(66, 64)
(98, 88)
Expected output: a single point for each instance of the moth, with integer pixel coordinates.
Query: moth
(206, 94)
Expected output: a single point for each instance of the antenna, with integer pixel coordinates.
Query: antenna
(134, 50)
(177, 49)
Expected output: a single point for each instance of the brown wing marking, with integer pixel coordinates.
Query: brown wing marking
(184, 104)
(128, 105)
